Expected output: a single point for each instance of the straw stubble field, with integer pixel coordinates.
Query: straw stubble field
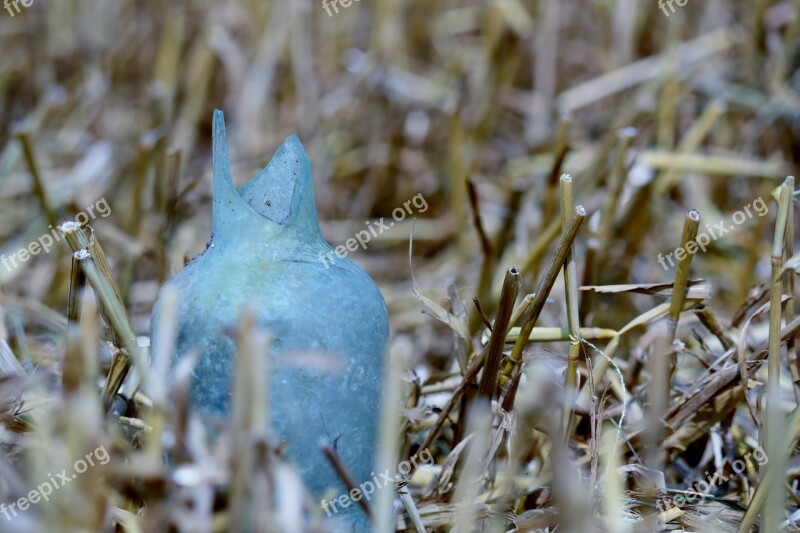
(559, 377)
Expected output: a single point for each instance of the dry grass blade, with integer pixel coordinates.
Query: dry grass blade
(688, 247)
(543, 289)
(508, 297)
(571, 379)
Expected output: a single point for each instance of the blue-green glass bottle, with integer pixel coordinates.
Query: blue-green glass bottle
(265, 253)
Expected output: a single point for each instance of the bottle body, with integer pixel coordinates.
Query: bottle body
(328, 330)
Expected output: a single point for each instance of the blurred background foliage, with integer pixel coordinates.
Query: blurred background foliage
(478, 106)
